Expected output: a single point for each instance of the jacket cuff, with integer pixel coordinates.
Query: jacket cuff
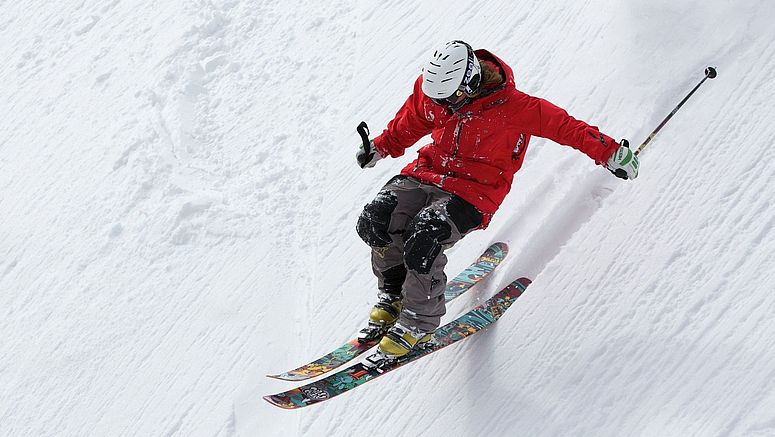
(381, 147)
(606, 153)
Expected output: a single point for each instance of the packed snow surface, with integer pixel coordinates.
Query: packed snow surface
(179, 195)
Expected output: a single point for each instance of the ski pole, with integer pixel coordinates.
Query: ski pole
(710, 73)
(363, 131)
(367, 155)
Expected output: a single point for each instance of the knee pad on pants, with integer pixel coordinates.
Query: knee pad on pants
(422, 241)
(374, 221)
(464, 215)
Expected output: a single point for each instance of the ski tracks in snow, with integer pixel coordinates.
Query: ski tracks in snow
(647, 316)
(679, 318)
(171, 194)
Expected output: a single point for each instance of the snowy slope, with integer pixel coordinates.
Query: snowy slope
(180, 194)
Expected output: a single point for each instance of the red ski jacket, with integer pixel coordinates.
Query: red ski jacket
(477, 149)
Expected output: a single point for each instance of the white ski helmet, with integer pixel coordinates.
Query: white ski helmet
(450, 69)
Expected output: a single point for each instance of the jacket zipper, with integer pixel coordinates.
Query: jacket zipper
(458, 132)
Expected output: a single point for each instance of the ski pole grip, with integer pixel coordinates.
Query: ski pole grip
(363, 131)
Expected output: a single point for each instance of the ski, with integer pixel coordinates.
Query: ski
(360, 373)
(477, 271)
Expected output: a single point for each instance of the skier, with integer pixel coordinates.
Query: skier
(481, 126)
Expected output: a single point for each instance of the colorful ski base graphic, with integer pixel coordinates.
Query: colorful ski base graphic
(477, 271)
(359, 373)
(348, 351)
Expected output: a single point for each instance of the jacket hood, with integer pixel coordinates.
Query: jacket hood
(497, 95)
(508, 73)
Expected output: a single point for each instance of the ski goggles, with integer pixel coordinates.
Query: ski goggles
(469, 87)
(465, 90)
(451, 100)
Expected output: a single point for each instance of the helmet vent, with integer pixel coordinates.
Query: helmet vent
(451, 69)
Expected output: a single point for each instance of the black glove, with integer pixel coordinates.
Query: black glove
(367, 159)
(367, 155)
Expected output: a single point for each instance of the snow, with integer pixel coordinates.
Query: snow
(180, 192)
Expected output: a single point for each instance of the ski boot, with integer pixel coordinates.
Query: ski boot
(382, 317)
(400, 340)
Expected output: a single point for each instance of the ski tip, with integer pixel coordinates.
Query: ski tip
(501, 246)
(281, 377)
(523, 283)
(294, 376)
(269, 399)
(516, 287)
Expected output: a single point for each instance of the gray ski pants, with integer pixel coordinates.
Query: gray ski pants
(408, 225)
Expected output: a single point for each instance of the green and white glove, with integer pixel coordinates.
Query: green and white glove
(624, 163)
